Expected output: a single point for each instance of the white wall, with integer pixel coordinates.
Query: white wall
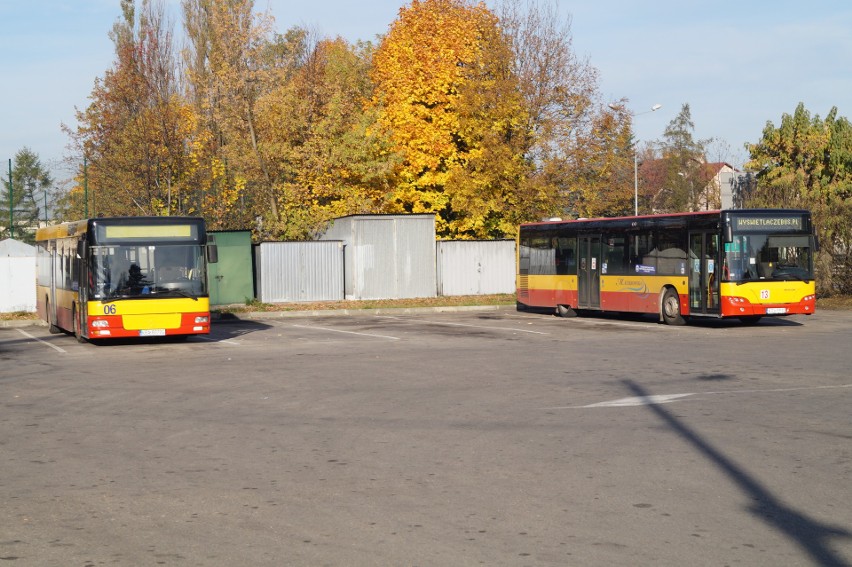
(17, 277)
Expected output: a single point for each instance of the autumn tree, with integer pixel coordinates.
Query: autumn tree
(806, 162)
(602, 168)
(228, 74)
(579, 150)
(134, 131)
(31, 184)
(445, 92)
(326, 156)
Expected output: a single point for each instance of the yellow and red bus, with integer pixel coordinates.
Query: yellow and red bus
(745, 263)
(117, 277)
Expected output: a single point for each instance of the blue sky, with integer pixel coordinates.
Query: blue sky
(737, 64)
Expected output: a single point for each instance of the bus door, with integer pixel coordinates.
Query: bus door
(52, 247)
(588, 273)
(704, 273)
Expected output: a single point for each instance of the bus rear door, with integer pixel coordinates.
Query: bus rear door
(588, 273)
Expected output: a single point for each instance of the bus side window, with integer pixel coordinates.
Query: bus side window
(616, 255)
(670, 254)
(642, 261)
(542, 256)
(566, 261)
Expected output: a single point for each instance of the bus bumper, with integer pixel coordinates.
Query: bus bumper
(733, 306)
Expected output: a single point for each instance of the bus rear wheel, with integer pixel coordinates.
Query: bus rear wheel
(671, 308)
(565, 311)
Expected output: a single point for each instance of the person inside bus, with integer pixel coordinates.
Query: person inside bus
(136, 280)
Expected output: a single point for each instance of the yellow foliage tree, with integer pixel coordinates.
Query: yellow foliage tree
(446, 95)
(324, 158)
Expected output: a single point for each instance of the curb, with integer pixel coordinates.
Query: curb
(16, 323)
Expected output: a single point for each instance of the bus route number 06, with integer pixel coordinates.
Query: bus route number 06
(109, 309)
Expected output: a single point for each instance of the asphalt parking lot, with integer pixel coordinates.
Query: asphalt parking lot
(432, 438)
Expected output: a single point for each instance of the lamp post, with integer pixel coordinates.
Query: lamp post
(618, 108)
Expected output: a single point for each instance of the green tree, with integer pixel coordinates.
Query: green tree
(31, 185)
(806, 162)
(684, 180)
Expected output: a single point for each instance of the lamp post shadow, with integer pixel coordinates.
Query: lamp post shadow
(809, 534)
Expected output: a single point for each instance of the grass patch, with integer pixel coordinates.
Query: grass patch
(464, 300)
(835, 302)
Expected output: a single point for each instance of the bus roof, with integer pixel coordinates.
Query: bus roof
(711, 213)
(77, 228)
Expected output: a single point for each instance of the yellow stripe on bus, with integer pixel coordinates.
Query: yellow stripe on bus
(149, 306)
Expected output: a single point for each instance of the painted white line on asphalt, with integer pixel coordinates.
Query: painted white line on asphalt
(26, 334)
(228, 342)
(639, 401)
(347, 332)
(463, 325)
(667, 398)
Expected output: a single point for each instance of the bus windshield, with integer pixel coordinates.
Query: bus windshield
(123, 271)
(768, 257)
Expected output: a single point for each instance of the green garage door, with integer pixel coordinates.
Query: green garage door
(232, 278)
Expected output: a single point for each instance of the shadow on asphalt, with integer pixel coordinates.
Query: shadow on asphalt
(812, 536)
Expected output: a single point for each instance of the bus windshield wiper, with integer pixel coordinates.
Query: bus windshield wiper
(182, 293)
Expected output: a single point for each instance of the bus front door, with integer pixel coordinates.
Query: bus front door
(588, 273)
(704, 272)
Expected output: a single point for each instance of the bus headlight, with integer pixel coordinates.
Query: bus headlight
(202, 319)
(99, 323)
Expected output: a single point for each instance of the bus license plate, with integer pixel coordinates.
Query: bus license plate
(776, 310)
(152, 333)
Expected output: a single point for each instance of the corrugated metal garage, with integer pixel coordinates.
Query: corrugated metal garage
(476, 267)
(299, 271)
(387, 256)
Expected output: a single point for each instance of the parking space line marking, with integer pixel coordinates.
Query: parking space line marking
(464, 325)
(347, 332)
(666, 398)
(228, 342)
(26, 334)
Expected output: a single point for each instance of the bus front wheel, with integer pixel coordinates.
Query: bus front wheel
(52, 327)
(671, 308)
(78, 333)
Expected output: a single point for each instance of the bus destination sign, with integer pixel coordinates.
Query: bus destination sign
(755, 224)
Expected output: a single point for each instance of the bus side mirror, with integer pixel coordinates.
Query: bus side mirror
(729, 233)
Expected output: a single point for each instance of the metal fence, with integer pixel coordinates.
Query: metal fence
(314, 271)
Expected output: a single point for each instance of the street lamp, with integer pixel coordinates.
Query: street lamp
(618, 108)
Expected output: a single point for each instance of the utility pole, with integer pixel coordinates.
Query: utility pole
(85, 188)
(11, 204)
